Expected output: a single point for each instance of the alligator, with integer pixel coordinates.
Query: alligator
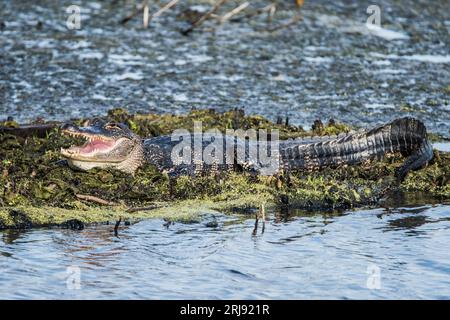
(114, 145)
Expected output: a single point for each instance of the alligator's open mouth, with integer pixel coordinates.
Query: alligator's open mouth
(94, 149)
(106, 145)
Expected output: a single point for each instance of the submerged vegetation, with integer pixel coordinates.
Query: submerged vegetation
(39, 189)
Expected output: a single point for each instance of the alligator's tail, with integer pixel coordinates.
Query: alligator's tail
(405, 135)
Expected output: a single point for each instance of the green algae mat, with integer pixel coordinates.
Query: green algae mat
(38, 189)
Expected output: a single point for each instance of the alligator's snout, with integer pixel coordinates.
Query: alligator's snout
(73, 130)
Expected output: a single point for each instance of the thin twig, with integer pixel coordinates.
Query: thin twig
(164, 9)
(145, 18)
(255, 229)
(110, 203)
(95, 199)
(233, 12)
(116, 227)
(255, 13)
(135, 209)
(136, 11)
(204, 17)
(271, 13)
(263, 213)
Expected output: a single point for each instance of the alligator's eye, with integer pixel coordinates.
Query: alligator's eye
(112, 125)
(95, 122)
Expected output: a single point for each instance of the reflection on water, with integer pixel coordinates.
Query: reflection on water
(298, 255)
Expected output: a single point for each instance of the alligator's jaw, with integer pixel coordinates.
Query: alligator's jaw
(87, 165)
(92, 149)
(129, 164)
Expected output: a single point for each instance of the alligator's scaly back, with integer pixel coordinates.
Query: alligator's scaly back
(406, 135)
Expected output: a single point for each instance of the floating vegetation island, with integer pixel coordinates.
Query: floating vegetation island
(39, 189)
